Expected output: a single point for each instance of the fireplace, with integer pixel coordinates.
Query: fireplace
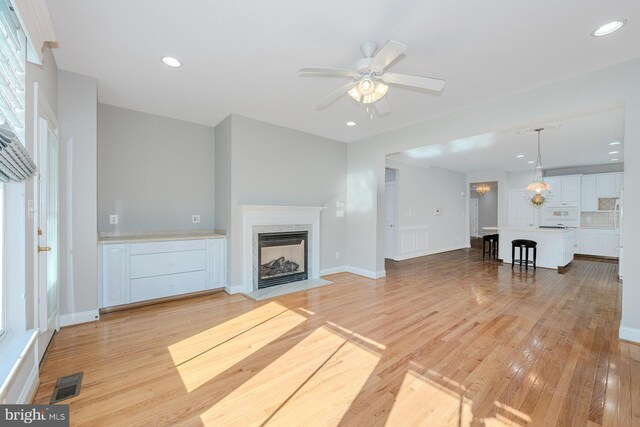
(282, 258)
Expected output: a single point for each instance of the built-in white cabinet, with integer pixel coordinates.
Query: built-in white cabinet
(589, 201)
(565, 189)
(601, 185)
(134, 272)
(598, 242)
(521, 213)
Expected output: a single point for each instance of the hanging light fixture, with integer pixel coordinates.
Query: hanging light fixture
(538, 191)
(483, 189)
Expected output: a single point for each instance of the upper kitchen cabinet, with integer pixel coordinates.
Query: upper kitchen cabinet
(565, 189)
(589, 202)
(619, 182)
(605, 185)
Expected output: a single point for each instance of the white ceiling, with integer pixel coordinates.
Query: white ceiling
(242, 56)
(580, 141)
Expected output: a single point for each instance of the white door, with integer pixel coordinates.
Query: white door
(390, 219)
(46, 202)
(473, 217)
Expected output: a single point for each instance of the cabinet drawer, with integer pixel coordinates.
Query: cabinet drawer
(167, 263)
(171, 246)
(163, 286)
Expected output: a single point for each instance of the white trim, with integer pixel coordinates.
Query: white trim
(233, 289)
(334, 270)
(31, 386)
(26, 344)
(629, 334)
(366, 273)
(36, 23)
(417, 254)
(76, 318)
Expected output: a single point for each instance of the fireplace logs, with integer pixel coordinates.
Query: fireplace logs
(278, 266)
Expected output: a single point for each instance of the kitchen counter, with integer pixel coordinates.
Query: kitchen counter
(556, 246)
(159, 236)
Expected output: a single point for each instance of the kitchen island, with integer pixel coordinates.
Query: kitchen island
(556, 246)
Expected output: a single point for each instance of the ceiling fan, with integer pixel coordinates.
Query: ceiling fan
(370, 77)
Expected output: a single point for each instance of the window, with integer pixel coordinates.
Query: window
(12, 122)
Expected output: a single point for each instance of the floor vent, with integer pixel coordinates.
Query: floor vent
(67, 387)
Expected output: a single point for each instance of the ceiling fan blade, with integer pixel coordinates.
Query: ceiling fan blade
(328, 71)
(428, 83)
(386, 55)
(334, 96)
(382, 106)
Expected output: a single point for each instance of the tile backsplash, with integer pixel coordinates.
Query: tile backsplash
(598, 219)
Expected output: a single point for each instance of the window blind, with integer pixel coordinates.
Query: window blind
(15, 162)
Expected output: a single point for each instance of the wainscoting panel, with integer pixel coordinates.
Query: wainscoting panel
(414, 241)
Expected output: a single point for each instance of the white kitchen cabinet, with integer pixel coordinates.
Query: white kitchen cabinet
(521, 213)
(565, 189)
(588, 242)
(589, 200)
(598, 242)
(571, 187)
(134, 272)
(606, 185)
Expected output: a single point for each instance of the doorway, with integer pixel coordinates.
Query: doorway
(483, 208)
(46, 220)
(390, 192)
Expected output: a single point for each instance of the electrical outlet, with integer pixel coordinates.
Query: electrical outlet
(113, 219)
(339, 214)
(195, 219)
(337, 255)
(588, 219)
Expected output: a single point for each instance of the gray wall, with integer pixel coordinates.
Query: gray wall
(223, 182)
(77, 114)
(154, 172)
(419, 191)
(274, 165)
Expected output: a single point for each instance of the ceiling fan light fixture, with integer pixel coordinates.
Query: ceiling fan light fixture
(366, 86)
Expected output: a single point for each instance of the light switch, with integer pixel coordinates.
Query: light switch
(113, 219)
(339, 214)
(195, 219)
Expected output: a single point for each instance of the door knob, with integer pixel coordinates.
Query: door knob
(44, 248)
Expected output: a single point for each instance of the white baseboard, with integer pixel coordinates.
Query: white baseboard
(417, 254)
(76, 318)
(629, 334)
(233, 289)
(334, 270)
(366, 273)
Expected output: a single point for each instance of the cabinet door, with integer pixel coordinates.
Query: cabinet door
(588, 243)
(114, 275)
(571, 186)
(605, 185)
(589, 201)
(619, 182)
(217, 269)
(556, 187)
(608, 245)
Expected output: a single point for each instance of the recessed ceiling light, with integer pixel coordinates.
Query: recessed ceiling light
(171, 61)
(615, 160)
(613, 152)
(609, 28)
(531, 162)
(351, 124)
(520, 156)
(615, 143)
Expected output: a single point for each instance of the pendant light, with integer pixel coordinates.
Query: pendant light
(538, 191)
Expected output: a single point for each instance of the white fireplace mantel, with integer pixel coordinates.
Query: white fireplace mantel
(253, 215)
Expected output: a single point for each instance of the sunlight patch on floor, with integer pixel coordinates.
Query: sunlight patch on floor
(429, 399)
(209, 364)
(199, 343)
(275, 386)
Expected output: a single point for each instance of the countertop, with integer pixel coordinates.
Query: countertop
(159, 236)
(535, 229)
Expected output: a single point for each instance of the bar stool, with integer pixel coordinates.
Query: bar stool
(526, 245)
(496, 244)
(492, 239)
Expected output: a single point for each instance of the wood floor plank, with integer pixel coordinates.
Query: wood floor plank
(447, 339)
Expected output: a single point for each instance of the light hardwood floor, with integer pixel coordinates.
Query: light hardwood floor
(447, 339)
